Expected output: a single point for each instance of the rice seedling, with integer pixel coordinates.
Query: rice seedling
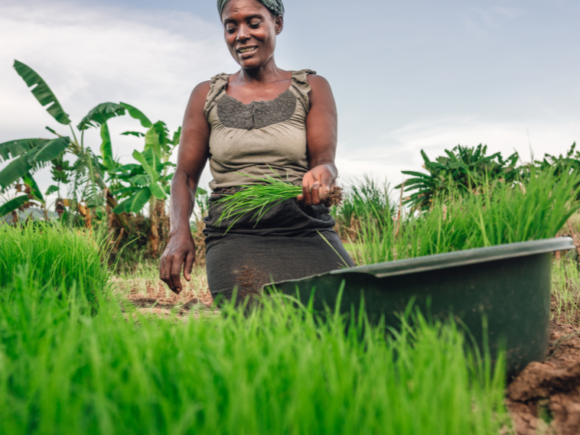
(275, 371)
(54, 256)
(257, 199)
(503, 214)
(364, 198)
(566, 292)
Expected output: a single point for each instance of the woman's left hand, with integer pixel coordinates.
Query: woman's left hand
(317, 183)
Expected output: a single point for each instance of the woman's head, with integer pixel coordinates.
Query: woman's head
(250, 29)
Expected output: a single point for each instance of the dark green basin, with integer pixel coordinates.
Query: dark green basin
(509, 285)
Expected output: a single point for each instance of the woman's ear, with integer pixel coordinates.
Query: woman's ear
(279, 24)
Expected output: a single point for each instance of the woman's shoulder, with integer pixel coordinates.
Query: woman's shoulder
(311, 78)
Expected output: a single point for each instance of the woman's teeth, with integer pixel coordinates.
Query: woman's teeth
(246, 49)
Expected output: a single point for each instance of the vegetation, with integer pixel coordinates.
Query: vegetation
(463, 170)
(96, 182)
(500, 214)
(277, 370)
(76, 357)
(55, 257)
(367, 198)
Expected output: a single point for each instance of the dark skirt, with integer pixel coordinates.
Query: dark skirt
(290, 242)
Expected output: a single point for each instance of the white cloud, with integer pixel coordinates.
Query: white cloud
(404, 144)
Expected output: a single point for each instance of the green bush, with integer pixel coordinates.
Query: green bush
(464, 170)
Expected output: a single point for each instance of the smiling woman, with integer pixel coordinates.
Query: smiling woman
(259, 121)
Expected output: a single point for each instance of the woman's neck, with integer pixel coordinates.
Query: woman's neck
(265, 74)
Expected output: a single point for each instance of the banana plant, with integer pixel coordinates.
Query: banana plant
(149, 180)
(29, 155)
(562, 165)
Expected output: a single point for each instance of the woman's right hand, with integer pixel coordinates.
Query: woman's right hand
(179, 254)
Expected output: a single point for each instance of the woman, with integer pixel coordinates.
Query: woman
(258, 121)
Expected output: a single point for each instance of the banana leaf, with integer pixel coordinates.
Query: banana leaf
(52, 189)
(156, 189)
(152, 142)
(136, 203)
(50, 150)
(107, 147)
(176, 137)
(140, 180)
(126, 168)
(42, 92)
(138, 115)
(101, 114)
(34, 189)
(16, 169)
(15, 148)
(13, 204)
(133, 133)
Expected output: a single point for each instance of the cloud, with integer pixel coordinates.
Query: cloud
(400, 149)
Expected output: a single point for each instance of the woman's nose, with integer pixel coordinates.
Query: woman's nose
(243, 33)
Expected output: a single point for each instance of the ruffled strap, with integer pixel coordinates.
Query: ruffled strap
(217, 86)
(302, 87)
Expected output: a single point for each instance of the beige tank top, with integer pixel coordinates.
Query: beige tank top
(260, 138)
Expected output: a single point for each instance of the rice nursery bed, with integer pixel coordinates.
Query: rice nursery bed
(67, 367)
(82, 351)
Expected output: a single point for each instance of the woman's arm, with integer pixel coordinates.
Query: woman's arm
(193, 153)
(321, 130)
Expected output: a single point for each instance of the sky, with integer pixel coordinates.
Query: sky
(406, 75)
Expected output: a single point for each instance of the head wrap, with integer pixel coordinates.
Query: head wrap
(274, 6)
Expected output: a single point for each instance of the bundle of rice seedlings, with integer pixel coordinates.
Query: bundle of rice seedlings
(259, 198)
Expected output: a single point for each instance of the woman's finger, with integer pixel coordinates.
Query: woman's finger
(306, 198)
(189, 260)
(165, 272)
(175, 278)
(315, 194)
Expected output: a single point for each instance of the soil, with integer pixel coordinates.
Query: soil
(545, 397)
(161, 300)
(334, 197)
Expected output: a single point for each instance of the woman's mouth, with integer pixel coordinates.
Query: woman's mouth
(247, 50)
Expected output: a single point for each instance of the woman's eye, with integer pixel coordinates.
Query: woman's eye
(255, 24)
(230, 29)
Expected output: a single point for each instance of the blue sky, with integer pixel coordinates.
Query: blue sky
(407, 75)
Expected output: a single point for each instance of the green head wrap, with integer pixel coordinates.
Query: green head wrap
(274, 6)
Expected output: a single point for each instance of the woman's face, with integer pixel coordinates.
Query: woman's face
(250, 32)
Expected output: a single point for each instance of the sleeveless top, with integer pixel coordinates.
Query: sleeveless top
(263, 138)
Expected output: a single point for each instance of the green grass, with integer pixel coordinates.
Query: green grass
(566, 291)
(503, 214)
(275, 371)
(364, 198)
(53, 256)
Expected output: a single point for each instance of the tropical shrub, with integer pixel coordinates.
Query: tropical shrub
(463, 170)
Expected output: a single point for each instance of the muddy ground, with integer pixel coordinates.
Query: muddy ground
(545, 398)
(152, 297)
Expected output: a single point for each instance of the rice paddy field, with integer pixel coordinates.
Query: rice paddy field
(87, 347)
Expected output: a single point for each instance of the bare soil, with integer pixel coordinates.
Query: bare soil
(156, 299)
(545, 397)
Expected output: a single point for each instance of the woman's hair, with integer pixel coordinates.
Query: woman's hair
(274, 6)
